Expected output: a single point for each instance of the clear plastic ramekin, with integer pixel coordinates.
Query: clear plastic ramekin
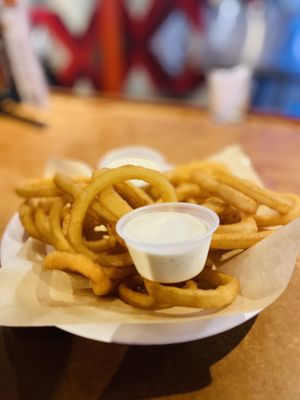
(170, 262)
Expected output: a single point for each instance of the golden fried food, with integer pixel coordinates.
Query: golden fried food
(135, 196)
(188, 190)
(231, 196)
(117, 273)
(246, 225)
(26, 214)
(73, 189)
(277, 219)
(113, 202)
(215, 204)
(55, 220)
(81, 264)
(237, 240)
(224, 292)
(78, 218)
(132, 291)
(275, 201)
(111, 177)
(107, 241)
(183, 173)
(114, 260)
(38, 188)
(41, 220)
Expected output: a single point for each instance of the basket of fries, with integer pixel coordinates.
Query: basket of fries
(72, 222)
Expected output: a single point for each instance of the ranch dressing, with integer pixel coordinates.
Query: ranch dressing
(170, 241)
(164, 227)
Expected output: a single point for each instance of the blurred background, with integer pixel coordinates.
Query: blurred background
(164, 49)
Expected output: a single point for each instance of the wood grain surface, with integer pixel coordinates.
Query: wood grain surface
(257, 360)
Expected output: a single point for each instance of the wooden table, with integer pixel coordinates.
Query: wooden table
(257, 360)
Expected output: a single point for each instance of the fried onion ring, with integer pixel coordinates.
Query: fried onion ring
(215, 204)
(113, 202)
(38, 188)
(261, 195)
(225, 192)
(183, 173)
(235, 240)
(135, 196)
(115, 273)
(114, 260)
(132, 292)
(26, 214)
(189, 190)
(81, 264)
(55, 219)
(247, 224)
(111, 177)
(281, 219)
(41, 220)
(227, 288)
(74, 189)
(101, 244)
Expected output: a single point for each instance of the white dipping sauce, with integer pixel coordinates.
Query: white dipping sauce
(167, 246)
(164, 227)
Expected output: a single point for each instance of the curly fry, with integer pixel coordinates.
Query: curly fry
(129, 292)
(110, 177)
(226, 290)
(82, 265)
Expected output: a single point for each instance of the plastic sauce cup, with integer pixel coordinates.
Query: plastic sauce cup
(170, 261)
